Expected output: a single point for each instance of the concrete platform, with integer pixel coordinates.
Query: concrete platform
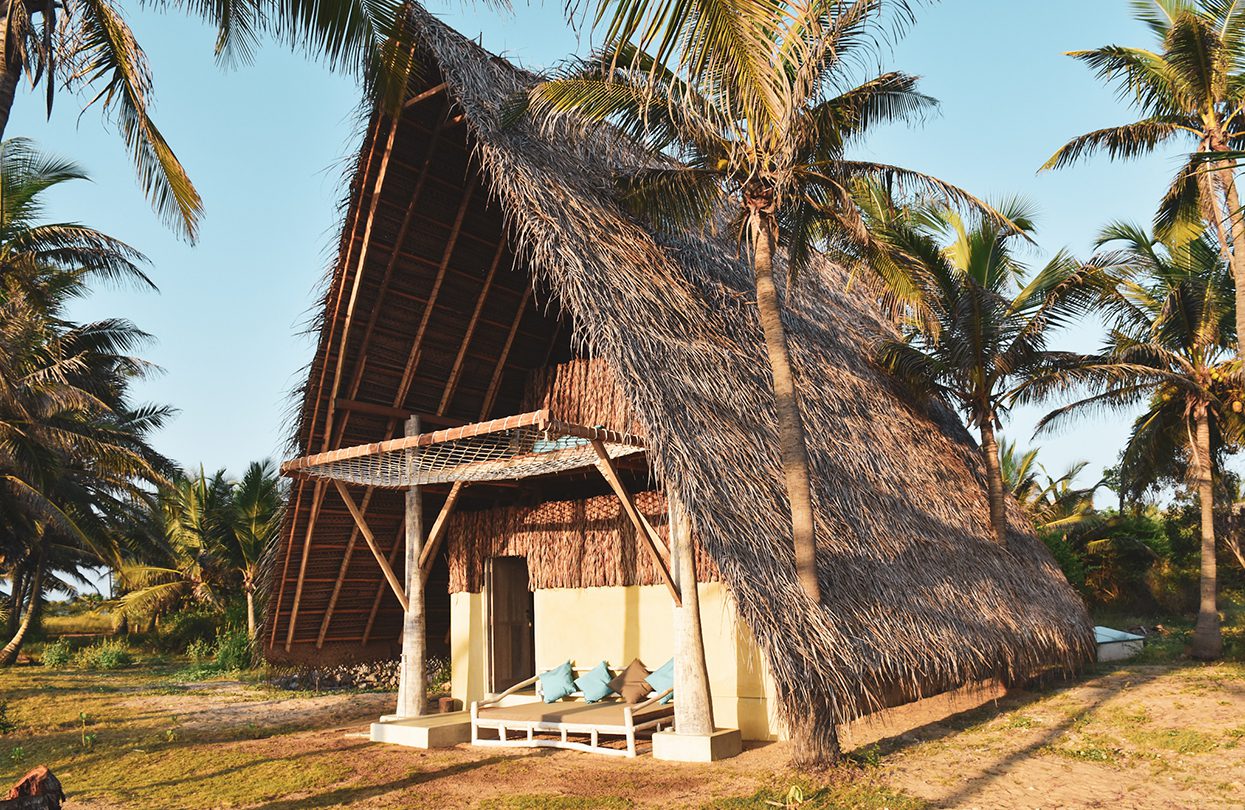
(429, 731)
(723, 743)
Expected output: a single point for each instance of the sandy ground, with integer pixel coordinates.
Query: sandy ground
(1143, 737)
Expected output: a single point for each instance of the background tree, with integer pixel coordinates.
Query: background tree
(74, 451)
(1192, 89)
(1171, 310)
(973, 329)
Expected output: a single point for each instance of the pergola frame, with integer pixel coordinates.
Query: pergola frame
(322, 467)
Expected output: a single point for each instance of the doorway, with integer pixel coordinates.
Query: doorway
(512, 638)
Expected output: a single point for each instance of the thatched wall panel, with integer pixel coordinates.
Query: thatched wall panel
(588, 543)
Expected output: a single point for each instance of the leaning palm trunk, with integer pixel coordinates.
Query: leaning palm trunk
(1207, 638)
(994, 480)
(9, 654)
(16, 600)
(793, 445)
(250, 613)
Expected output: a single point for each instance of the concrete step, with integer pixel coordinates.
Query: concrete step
(429, 731)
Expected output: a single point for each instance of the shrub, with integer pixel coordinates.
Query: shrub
(178, 631)
(233, 650)
(200, 652)
(58, 654)
(105, 655)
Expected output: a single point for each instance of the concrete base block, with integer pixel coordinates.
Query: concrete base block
(430, 731)
(723, 743)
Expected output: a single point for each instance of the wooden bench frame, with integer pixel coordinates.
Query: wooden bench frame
(595, 731)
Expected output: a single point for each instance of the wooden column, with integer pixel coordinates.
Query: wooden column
(413, 681)
(693, 707)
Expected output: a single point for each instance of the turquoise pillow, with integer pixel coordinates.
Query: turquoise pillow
(557, 683)
(595, 684)
(661, 679)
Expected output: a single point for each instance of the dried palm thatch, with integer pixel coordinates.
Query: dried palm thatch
(918, 597)
(584, 392)
(586, 543)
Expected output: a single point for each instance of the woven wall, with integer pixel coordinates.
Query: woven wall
(568, 544)
(581, 391)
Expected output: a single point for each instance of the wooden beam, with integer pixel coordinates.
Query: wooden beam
(417, 346)
(341, 576)
(427, 94)
(373, 409)
(495, 382)
(380, 589)
(357, 378)
(651, 541)
(448, 395)
(371, 543)
(433, 543)
(302, 566)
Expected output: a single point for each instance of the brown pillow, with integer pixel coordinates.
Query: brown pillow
(631, 683)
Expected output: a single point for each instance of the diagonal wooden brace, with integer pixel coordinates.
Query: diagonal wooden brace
(433, 544)
(643, 528)
(371, 543)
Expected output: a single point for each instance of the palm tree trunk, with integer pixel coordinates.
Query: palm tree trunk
(1207, 638)
(10, 70)
(17, 599)
(994, 481)
(793, 446)
(250, 612)
(693, 708)
(35, 601)
(1236, 225)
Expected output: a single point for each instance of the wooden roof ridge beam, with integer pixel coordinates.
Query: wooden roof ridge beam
(370, 539)
(433, 544)
(642, 527)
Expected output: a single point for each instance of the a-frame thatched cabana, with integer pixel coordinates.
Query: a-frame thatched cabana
(486, 272)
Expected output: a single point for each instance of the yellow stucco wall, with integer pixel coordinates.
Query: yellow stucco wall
(617, 624)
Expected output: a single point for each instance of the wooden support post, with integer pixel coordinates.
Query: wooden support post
(433, 544)
(412, 680)
(646, 532)
(693, 705)
(370, 539)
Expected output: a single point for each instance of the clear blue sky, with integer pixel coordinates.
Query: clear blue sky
(266, 145)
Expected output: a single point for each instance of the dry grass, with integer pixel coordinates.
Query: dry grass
(141, 738)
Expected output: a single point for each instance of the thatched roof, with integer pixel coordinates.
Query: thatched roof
(917, 596)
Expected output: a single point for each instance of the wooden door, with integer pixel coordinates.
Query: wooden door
(512, 642)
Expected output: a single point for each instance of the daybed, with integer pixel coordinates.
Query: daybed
(508, 713)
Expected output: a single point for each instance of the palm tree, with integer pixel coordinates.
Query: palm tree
(73, 450)
(1192, 90)
(255, 513)
(1170, 347)
(86, 46)
(973, 329)
(767, 147)
(179, 562)
(1053, 504)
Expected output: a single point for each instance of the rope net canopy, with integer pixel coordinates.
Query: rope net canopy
(515, 447)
